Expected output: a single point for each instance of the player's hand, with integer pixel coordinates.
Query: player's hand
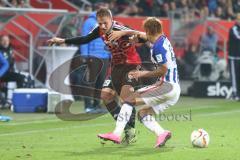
(55, 40)
(115, 35)
(133, 39)
(134, 75)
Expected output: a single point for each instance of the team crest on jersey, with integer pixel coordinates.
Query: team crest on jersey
(159, 58)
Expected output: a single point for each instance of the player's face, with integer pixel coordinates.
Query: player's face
(105, 23)
(150, 37)
(5, 41)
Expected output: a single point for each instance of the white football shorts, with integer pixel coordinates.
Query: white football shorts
(160, 95)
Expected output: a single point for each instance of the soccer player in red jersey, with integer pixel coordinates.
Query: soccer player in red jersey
(124, 59)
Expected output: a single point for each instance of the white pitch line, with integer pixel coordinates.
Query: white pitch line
(30, 122)
(194, 108)
(36, 121)
(53, 129)
(217, 113)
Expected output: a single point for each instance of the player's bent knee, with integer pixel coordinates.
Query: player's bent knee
(107, 95)
(141, 113)
(144, 112)
(127, 94)
(130, 99)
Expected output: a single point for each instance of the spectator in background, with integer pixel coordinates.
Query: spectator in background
(18, 3)
(14, 3)
(234, 57)
(173, 6)
(122, 5)
(229, 14)
(2, 3)
(183, 4)
(236, 6)
(190, 60)
(212, 6)
(92, 52)
(201, 9)
(7, 51)
(4, 65)
(113, 7)
(82, 4)
(219, 13)
(164, 10)
(187, 9)
(130, 8)
(69, 29)
(144, 7)
(209, 41)
(157, 5)
(88, 8)
(225, 4)
(22, 4)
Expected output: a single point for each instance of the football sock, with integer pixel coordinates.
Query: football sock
(123, 118)
(131, 122)
(114, 109)
(150, 122)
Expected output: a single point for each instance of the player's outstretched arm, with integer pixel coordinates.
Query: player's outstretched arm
(159, 72)
(76, 40)
(115, 35)
(55, 40)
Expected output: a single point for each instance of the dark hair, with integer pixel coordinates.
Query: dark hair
(104, 12)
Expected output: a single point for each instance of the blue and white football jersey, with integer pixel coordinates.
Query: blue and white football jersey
(162, 53)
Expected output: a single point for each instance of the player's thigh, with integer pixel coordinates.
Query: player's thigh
(103, 74)
(158, 91)
(120, 77)
(157, 96)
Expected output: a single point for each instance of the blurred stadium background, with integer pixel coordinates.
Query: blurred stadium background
(203, 70)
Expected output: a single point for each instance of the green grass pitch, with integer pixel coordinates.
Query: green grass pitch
(45, 137)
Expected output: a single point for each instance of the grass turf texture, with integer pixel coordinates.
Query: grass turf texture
(44, 137)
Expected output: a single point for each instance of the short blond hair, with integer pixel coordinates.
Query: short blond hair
(104, 12)
(153, 26)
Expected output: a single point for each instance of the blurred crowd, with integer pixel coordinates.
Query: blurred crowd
(14, 3)
(223, 9)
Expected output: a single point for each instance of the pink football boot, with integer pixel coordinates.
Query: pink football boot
(162, 139)
(110, 137)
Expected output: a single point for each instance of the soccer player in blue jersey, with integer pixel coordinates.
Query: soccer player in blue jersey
(157, 97)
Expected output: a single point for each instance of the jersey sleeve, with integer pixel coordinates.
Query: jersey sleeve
(84, 39)
(160, 53)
